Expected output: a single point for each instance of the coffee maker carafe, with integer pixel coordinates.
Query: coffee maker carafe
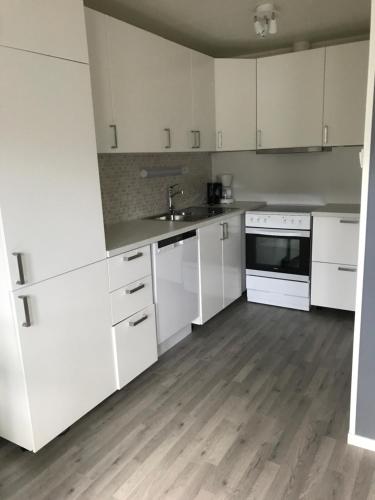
(227, 192)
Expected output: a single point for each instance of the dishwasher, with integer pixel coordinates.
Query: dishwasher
(176, 287)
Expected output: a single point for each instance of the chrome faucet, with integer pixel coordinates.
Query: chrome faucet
(171, 195)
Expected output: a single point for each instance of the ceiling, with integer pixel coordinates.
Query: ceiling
(224, 28)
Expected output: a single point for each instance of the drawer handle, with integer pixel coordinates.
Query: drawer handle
(128, 258)
(27, 322)
(21, 273)
(136, 289)
(347, 269)
(349, 221)
(138, 321)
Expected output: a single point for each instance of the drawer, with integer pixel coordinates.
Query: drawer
(278, 286)
(128, 267)
(335, 240)
(135, 345)
(333, 286)
(131, 299)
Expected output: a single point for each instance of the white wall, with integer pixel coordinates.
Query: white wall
(311, 178)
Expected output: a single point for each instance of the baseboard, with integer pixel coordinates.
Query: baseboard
(361, 442)
(175, 339)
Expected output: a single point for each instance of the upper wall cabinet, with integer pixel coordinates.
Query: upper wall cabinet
(290, 99)
(150, 94)
(345, 94)
(235, 91)
(203, 94)
(54, 28)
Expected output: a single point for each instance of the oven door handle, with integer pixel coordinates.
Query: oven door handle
(283, 233)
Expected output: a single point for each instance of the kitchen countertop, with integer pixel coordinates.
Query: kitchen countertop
(337, 210)
(129, 235)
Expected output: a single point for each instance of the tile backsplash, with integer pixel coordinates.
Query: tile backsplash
(126, 195)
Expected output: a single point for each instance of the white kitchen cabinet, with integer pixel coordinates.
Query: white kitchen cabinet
(235, 98)
(220, 266)
(135, 345)
(151, 90)
(128, 267)
(334, 261)
(203, 105)
(290, 91)
(55, 28)
(333, 285)
(345, 94)
(62, 365)
(49, 182)
(335, 239)
(232, 260)
(96, 24)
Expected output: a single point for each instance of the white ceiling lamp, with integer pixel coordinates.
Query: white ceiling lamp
(265, 21)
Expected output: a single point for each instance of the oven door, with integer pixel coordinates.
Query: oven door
(278, 253)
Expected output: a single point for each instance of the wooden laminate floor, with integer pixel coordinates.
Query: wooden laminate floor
(254, 405)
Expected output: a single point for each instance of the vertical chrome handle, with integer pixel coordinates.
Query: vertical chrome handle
(21, 274)
(226, 226)
(199, 139)
(220, 139)
(325, 134)
(27, 322)
(259, 138)
(169, 138)
(114, 128)
(194, 135)
(222, 224)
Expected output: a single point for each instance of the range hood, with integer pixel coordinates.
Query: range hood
(307, 149)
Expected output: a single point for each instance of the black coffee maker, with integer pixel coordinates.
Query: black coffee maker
(214, 192)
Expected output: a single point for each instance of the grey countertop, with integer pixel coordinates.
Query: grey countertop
(337, 210)
(129, 235)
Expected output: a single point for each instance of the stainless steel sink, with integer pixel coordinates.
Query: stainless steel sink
(191, 214)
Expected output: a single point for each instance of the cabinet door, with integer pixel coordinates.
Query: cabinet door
(345, 94)
(203, 83)
(211, 271)
(290, 100)
(151, 85)
(49, 182)
(67, 351)
(232, 259)
(333, 286)
(55, 28)
(235, 95)
(100, 81)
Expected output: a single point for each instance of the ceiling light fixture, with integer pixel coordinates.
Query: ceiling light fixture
(265, 21)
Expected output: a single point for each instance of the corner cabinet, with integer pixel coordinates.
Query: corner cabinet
(345, 94)
(55, 28)
(220, 266)
(290, 91)
(235, 97)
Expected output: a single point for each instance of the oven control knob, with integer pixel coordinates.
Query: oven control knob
(292, 221)
(265, 219)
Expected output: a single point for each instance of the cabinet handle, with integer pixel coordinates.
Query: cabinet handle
(114, 128)
(136, 289)
(169, 138)
(347, 269)
(226, 227)
(222, 224)
(199, 138)
(128, 258)
(325, 134)
(349, 221)
(194, 133)
(27, 322)
(138, 321)
(259, 138)
(21, 274)
(220, 139)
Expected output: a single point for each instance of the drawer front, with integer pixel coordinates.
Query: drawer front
(335, 240)
(128, 267)
(278, 286)
(333, 286)
(131, 299)
(135, 345)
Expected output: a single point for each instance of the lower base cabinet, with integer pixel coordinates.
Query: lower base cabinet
(57, 357)
(220, 266)
(135, 345)
(333, 285)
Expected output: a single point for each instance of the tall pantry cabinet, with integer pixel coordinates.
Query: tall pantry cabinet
(56, 355)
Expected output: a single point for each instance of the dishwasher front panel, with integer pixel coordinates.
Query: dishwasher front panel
(176, 285)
